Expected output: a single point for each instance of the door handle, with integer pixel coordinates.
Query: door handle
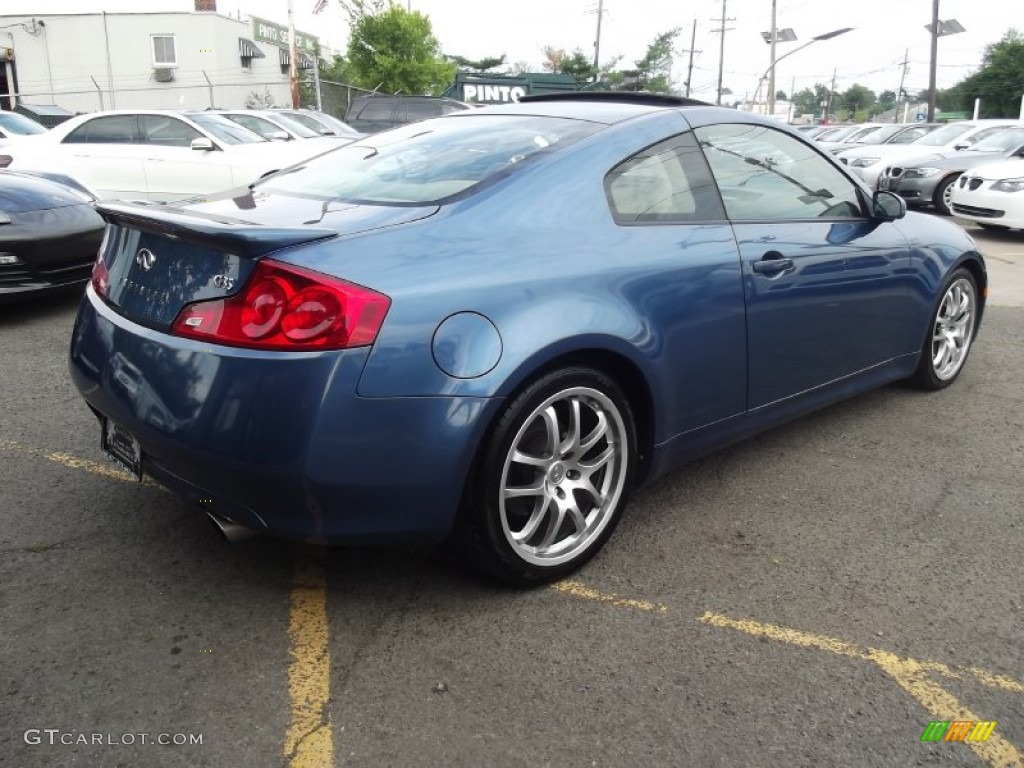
(772, 262)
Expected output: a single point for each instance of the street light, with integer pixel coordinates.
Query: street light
(771, 67)
(938, 29)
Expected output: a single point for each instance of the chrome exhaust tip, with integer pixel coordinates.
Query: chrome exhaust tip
(230, 530)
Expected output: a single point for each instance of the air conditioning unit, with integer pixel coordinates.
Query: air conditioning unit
(163, 74)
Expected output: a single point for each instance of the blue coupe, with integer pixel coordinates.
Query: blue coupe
(488, 328)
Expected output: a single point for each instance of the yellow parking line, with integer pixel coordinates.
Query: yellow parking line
(910, 674)
(74, 462)
(309, 742)
(583, 592)
(913, 678)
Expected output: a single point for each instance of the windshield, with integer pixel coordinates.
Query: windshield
(295, 126)
(322, 121)
(14, 123)
(1003, 141)
(881, 135)
(841, 133)
(863, 133)
(224, 129)
(428, 161)
(944, 135)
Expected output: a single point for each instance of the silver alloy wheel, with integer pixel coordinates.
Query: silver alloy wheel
(954, 329)
(563, 476)
(947, 195)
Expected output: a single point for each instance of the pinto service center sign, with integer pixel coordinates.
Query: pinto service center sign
(264, 31)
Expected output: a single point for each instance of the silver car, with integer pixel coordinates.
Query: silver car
(929, 180)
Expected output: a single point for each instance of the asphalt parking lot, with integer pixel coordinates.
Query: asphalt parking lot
(813, 597)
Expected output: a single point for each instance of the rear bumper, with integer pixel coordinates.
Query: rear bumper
(279, 442)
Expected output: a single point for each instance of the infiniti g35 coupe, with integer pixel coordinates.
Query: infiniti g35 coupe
(488, 328)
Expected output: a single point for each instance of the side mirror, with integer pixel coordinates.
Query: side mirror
(326, 132)
(202, 145)
(963, 145)
(888, 206)
(279, 136)
(1019, 152)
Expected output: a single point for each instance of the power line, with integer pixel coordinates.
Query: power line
(722, 29)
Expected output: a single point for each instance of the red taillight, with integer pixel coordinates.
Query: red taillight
(100, 276)
(289, 308)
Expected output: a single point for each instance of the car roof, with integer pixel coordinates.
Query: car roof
(606, 107)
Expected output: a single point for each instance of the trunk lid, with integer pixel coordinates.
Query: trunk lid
(160, 258)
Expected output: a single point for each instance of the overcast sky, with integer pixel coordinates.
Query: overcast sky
(871, 54)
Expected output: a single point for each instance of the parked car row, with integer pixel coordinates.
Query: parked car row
(158, 155)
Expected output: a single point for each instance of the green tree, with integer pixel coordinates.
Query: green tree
(653, 72)
(478, 65)
(999, 83)
(579, 65)
(808, 101)
(780, 96)
(394, 50)
(887, 99)
(857, 98)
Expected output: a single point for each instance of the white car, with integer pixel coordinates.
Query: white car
(278, 127)
(156, 155)
(869, 162)
(15, 127)
(991, 195)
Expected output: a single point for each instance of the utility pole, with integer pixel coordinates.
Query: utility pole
(597, 42)
(931, 66)
(722, 29)
(293, 67)
(831, 90)
(771, 69)
(689, 68)
(903, 77)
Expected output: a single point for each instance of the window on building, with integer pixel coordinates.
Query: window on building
(165, 52)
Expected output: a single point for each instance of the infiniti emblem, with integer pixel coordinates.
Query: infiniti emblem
(145, 259)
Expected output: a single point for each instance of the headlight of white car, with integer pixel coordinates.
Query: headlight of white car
(1009, 185)
(920, 173)
(864, 162)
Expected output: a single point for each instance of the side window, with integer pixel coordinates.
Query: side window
(422, 110)
(166, 131)
(668, 183)
(377, 109)
(112, 129)
(764, 174)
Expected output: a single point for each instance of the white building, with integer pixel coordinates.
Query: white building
(167, 60)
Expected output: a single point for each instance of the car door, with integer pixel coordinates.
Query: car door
(668, 213)
(104, 153)
(824, 282)
(173, 169)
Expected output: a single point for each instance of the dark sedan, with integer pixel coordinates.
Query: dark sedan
(49, 235)
(493, 325)
(929, 180)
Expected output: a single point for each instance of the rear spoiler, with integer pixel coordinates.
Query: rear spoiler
(232, 235)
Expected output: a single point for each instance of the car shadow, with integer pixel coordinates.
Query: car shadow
(49, 305)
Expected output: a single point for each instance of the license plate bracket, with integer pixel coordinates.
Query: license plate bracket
(122, 448)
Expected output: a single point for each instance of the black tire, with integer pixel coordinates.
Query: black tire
(939, 196)
(489, 521)
(931, 375)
